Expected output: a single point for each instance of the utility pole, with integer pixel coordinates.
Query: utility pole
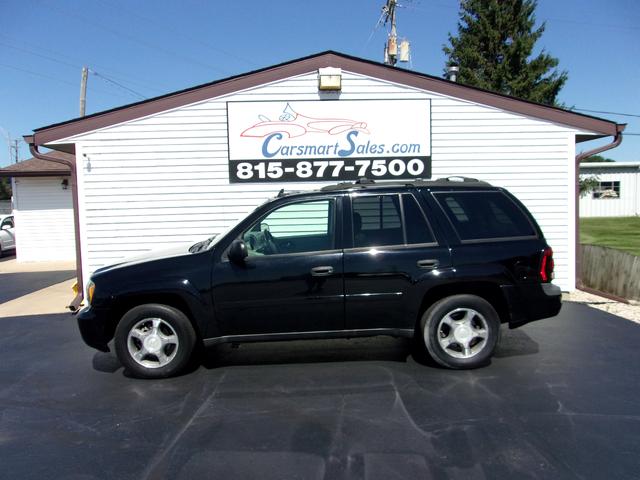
(15, 150)
(13, 145)
(83, 90)
(394, 52)
(391, 47)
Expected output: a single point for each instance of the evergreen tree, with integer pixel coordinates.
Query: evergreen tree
(597, 158)
(494, 48)
(5, 189)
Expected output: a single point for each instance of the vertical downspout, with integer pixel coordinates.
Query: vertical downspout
(33, 148)
(617, 140)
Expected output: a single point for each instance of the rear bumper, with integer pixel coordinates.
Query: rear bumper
(92, 324)
(528, 303)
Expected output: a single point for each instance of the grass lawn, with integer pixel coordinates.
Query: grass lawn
(622, 233)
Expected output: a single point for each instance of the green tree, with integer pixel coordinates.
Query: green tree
(5, 189)
(588, 184)
(597, 158)
(494, 50)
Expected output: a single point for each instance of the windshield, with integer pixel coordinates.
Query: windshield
(212, 241)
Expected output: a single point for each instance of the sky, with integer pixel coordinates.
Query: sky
(138, 49)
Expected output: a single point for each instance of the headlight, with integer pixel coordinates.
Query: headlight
(91, 288)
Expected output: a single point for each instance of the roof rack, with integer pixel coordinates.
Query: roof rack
(457, 178)
(364, 183)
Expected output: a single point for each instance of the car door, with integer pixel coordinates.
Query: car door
(394, 257)
(7, 233)
(291, 280)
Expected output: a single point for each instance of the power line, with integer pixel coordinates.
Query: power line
(31, 52)
(37, 74)
(104, 77)
(179, 32)
(593, 24)
(608, 113)
(55, 79)
(75, 66)
(131, 38)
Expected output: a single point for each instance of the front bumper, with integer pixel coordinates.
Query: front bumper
(528, 303)
(93, 328)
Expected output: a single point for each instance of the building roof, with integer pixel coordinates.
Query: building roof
(35, 167)
(628, 165)
(58, 131)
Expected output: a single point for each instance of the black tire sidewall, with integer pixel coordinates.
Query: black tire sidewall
(432, 316)
(180, 324)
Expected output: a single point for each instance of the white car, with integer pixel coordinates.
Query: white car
(7, 234)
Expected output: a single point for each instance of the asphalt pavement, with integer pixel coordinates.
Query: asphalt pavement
(560, 400)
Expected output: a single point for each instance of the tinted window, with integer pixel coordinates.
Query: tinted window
(477, 215)
(376, 221)
(418, 230)
(293, 228)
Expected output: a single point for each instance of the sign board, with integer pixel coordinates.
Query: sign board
(279, 141)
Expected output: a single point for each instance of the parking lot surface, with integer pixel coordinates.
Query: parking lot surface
(560, 400)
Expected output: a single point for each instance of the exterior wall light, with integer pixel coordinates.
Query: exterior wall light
(65, 184)
(330, 78)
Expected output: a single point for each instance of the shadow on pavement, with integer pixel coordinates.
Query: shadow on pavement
(6, 256)
(16, 285)
(513, 343)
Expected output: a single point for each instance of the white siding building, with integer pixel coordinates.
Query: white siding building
(42, 209)
(166, 171)
(618, 191)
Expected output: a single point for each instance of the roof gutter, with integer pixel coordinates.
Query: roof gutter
(617, 140)
(33, 148)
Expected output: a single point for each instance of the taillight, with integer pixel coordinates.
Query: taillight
(546, 266)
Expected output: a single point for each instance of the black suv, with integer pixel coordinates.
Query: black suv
(444, 261)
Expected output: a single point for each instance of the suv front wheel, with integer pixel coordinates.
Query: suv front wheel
(154, 341)
(460, 331)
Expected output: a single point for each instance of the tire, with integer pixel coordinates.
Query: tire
(154, 341)
(460, 331)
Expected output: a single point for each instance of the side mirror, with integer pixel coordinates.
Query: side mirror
(238, 252)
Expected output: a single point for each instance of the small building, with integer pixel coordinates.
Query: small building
(186, 165)
(618, 190)
(42, 208)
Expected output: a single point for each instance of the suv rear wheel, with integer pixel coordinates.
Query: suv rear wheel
(154, 341)
(460, 331)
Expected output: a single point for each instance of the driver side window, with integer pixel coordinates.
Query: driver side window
(293, 228)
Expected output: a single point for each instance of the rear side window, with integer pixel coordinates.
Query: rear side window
(480, 215)
(377, 221)
(418, 230)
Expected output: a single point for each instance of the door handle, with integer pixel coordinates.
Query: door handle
(430, 264)
(321, 271)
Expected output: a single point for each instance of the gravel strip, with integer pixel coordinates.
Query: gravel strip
(628, 311)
